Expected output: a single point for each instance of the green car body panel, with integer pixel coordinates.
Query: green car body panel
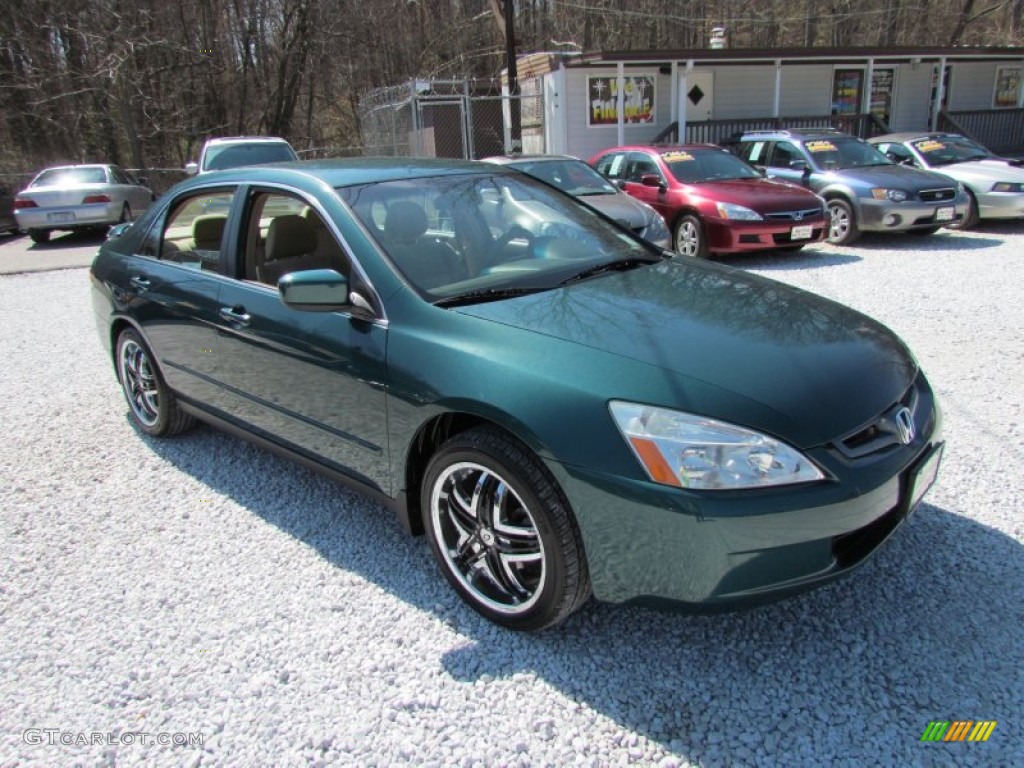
(358, 396)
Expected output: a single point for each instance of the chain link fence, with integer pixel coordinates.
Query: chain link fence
(436, 118)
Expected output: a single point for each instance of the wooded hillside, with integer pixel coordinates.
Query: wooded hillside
(143, 82)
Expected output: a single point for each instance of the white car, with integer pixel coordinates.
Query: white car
(237, 151)
(994, 184)
(71, 197)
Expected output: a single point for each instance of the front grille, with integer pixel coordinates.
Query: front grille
(883, 432)
(806, 213)
(937, 195)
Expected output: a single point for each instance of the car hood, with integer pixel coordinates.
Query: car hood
(898, 176)
(621, 208)
(819, 369)
(762, 195)
(992, 170)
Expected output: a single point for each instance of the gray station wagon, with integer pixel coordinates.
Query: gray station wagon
(865, 191)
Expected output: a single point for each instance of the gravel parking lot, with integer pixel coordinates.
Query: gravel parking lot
(155, 590)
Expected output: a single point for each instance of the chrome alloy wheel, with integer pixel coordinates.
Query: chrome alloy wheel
(688, 238)
(488, 538)
(839, 223)
(139, 382)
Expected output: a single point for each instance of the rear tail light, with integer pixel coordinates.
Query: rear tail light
(95, 199)
(23, 203)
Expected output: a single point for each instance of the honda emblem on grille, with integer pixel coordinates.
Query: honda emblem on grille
(798, 216)
(905, 425)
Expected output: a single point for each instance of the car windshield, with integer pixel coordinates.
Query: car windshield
(572, 176)
(249, 153)
(480, 236)
(949, 150)
(61, 177)
(691, 166)
(837, 153)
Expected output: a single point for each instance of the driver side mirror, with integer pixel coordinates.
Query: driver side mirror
(653, 180)
(798, 165)
(314, 290)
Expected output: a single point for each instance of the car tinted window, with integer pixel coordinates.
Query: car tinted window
(784, 153)
(283, 234)
(695, 165)
(836, 153)
(56, 177)
(612, 165)
(640, 165)
(219, 158)
(194, 231)
(453, 234)
(949, 150)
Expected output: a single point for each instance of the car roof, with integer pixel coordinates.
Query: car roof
(791, 133)
(83, 165)
(662, 148)
(535, 158)
(246, 139)
(353, 171)
(910, 136)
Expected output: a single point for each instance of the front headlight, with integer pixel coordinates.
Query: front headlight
(737, 212)
(1007, 186)
(896, 195)
(656, 231)
(690, 451)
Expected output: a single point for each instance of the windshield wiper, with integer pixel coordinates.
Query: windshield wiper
(592, 192)
(487, 294)
(612, 266)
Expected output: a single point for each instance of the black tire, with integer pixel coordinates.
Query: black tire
(842, 226)
(924, 232)
(970, 218)
(525, 570)
(39, 235)
(688, 237)
(153, 407)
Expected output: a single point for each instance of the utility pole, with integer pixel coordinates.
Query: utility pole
(513, 77)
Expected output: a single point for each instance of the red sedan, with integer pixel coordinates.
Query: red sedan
(714, 202)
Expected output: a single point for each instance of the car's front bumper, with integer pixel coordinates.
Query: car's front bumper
(731, 236)
(1001, 205)
(69, 216)
(653, 544)
(887, 216)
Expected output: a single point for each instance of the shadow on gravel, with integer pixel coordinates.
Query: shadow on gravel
(970, 240)
(928, 629)
(791, 262)
(71, 239)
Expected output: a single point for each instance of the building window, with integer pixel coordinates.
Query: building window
(1007, 89)
(847, 91)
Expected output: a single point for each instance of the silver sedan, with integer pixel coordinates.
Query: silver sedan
(994, 184)
(79, 197)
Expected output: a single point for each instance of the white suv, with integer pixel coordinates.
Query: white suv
(236, 151)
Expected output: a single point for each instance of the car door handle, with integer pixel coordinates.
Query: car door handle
(235, 315)
(141, 283)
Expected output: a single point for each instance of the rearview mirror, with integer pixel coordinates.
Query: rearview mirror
(798, 165)
(191, 168)
(652, 180)
(314, 290)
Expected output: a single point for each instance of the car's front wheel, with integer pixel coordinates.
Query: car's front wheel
(971, 217)
(842, 228)
(688, 237)
(502, 531)
(154, 408)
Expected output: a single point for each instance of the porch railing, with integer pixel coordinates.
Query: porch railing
(714, 131)
(1001, 130)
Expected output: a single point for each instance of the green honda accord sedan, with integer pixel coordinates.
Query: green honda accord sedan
(564, 409)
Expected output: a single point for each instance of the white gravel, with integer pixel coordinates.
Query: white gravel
(200, 585)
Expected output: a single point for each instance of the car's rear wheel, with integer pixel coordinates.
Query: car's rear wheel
(39, 235)
(842, 227)
(154, 409)
(502, 532)
(971, 217)
(688, 238)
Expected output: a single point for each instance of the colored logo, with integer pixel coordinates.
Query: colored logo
(958, 730)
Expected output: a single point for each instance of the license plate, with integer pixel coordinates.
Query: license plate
(803, 232)
(944, 214)
(60, 216)
(923, 478)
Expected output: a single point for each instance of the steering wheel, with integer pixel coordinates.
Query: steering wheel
(515, 233)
